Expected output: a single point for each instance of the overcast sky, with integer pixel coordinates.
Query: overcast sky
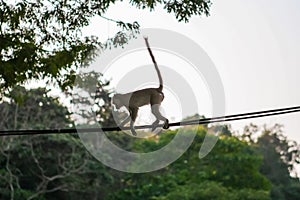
(254, 45)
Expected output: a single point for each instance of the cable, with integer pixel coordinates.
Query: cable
(235, 117)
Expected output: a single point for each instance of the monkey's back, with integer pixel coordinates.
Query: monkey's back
(146, 96)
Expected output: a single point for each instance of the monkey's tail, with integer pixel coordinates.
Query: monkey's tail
(160, 88)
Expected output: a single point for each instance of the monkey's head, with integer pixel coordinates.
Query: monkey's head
(116, 100)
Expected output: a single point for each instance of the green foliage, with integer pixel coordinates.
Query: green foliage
(204, 190)
(291, 191)
(213, 190)
(280, 157)
(66, 171)
(230, 171)
(33, 109)
(43, 39)
(46, 166)
(59, 167)
(185, 9)
(236, 165)
(91, 91)
(50, 167)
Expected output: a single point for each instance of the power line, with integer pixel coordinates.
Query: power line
(227, 118)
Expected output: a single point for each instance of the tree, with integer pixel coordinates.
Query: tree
(33, 109)
(230, 171)
(280, 158)
(46, 166)
(90, 90)
(42, 39)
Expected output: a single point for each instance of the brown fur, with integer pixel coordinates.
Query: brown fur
(133, 100)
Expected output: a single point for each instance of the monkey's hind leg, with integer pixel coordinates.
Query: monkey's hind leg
(133, 115)
(154, 125)
(156, 113)
(166, 124)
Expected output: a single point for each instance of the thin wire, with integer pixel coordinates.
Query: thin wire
(235, 117)
(251, 113)
(109, 19)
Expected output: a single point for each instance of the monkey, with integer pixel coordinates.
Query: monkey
(133, 100)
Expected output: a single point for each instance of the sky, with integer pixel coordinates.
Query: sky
(254, 45)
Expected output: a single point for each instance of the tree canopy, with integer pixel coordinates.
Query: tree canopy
(42, 39)
(59, 167)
